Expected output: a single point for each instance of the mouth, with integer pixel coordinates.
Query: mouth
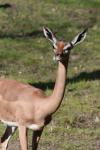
(57, 58)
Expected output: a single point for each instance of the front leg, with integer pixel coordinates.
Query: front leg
(36, 138)
(23, 137)
(9, 131)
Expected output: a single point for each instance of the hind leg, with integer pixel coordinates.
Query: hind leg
(6, 137)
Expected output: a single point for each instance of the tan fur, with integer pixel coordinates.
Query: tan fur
(28, 106)
(17, 104)
(60, 46)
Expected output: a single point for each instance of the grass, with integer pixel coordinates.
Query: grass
(25, 55)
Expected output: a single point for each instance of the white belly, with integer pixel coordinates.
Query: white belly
(9, 123)
(15, 124)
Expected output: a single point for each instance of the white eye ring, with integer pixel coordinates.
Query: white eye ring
(67, 46)
(55, 46)
(66, 51)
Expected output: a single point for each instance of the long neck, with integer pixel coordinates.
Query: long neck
(56, 98)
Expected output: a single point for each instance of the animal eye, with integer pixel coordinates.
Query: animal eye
(68, 48)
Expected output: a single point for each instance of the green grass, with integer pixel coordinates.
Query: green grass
(27, 56)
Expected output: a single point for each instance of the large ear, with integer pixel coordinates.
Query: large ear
(49, 35)
(79, 38)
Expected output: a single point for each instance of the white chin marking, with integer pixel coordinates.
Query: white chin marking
(58, 58)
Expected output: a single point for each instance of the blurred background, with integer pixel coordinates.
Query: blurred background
(25, 55)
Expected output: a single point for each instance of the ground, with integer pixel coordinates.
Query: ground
(25, 55)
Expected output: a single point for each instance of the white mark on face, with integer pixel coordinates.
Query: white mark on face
(55, 46)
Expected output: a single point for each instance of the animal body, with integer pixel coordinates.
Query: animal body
(25, 107)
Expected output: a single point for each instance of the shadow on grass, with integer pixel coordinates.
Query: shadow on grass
(86, 76)
(34, 34)
(43, 85)
(5, 6)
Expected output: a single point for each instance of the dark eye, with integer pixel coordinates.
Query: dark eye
(53, 46)
(68, 48)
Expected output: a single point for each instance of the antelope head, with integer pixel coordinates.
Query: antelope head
(61, 49)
